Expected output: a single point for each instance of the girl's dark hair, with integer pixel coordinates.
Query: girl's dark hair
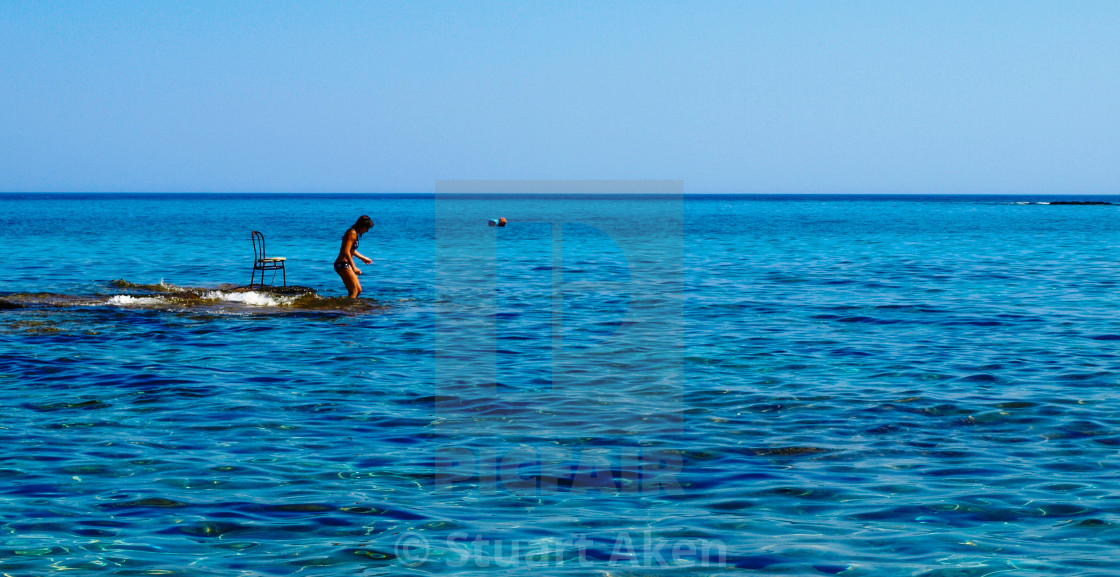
(363, 222)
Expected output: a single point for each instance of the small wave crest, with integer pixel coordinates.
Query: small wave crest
(251, 298)
(129, 300)
(162, 286)
(248, 298)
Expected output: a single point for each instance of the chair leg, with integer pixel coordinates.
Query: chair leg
(285, 271)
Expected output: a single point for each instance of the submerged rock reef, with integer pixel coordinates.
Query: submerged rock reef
(220, 299)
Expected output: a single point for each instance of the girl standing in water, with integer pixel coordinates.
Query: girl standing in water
(344, 264)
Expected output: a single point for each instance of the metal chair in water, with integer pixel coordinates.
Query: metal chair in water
(263, 263)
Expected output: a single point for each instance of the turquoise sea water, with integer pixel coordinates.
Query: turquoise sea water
(697, 385)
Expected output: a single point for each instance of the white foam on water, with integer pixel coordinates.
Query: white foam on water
(252, 298)
(170, 287)
(126, 300)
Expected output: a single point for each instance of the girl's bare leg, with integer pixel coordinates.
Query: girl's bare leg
(350, 279)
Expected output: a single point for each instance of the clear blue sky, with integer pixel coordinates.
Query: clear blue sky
(847, 97)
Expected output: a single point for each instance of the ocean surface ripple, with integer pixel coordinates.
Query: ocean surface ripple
(706, 385)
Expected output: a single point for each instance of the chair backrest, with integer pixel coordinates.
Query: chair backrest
(258, 246)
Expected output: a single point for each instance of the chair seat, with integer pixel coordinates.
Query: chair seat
(273, 259)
